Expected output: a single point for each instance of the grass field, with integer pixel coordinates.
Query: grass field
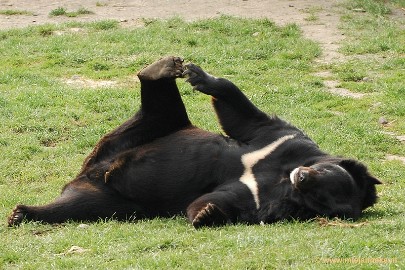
(53, 111)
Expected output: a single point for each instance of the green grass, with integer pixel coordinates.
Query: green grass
(61, 11)
(376, 44)
(49, 126)
(101, 4)
(375, 7)
(312, 13)
(11, 12)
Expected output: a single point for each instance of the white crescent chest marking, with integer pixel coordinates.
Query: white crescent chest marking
(249, 160)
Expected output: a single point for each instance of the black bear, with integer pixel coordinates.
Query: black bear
(158, 164)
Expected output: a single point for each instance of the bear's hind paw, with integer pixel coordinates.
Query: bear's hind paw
(167, 67)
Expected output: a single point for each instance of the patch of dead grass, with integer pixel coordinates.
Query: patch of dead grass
(336, 222)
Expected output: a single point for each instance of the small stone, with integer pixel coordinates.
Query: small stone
(382, 121)
(83, 226)
(255, 34)
(366, 79)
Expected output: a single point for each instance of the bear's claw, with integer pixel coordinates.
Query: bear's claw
(16, 216)
(210, 215)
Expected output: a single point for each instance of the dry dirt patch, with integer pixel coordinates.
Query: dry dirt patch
(79, 81)
(333, 87)
(395, 157)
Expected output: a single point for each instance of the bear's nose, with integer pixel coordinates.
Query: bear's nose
(306, 173)
(303, 175)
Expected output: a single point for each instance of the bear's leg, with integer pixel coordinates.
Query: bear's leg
(160, 98)
(238, 116)
(162, 111)
(78, 204)
(212, 209)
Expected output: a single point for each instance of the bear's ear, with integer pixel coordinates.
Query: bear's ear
(359, 172)
(365, 182)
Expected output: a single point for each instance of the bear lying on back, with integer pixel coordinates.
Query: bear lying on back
(158, 164)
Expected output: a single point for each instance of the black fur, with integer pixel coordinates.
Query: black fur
(159, 164)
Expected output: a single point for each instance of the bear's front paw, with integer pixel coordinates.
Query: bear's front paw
(199, 79)
(210, 216)
(17, 216)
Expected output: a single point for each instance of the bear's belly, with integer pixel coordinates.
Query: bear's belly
(176, 169)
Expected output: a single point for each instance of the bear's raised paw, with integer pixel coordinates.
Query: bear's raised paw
(167, 67)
